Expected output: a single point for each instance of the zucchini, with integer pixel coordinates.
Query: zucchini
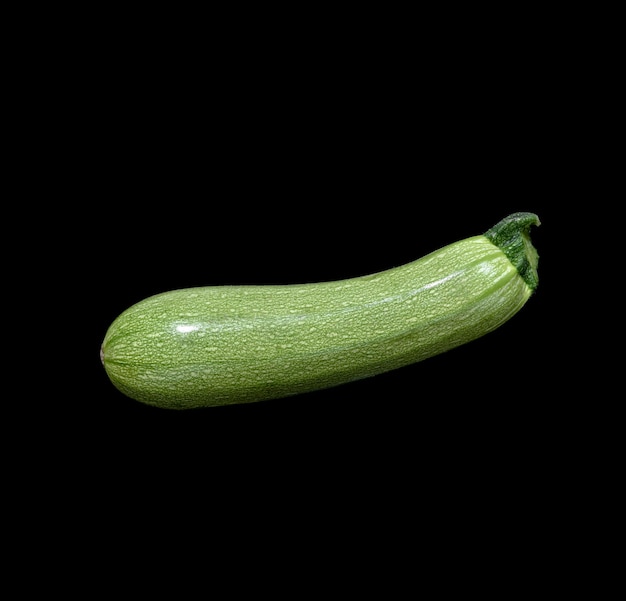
(217, 345)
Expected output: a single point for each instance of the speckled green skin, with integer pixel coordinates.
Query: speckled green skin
(208, 346)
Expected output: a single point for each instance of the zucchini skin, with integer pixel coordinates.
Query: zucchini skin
(218, 345)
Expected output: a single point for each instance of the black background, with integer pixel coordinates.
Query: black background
(192, 163)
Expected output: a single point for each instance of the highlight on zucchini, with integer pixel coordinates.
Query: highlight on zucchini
(217, 345)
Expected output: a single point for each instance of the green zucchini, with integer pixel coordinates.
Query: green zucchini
(217, 345)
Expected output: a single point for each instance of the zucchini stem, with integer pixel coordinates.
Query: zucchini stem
(512, 236)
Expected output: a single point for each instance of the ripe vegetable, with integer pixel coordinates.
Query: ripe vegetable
(216, 345)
